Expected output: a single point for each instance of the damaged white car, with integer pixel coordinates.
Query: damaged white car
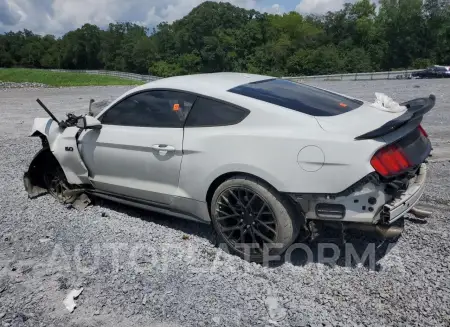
(258, 157)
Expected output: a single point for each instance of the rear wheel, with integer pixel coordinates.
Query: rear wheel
(253, 219)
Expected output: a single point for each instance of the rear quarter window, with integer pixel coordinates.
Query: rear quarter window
(208, 113)
(299, 97)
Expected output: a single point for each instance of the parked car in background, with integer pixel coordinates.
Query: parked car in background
(404, 76)
(433, 72)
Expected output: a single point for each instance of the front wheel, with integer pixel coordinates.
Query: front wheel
(46, 175)
(253, 219)
(56, 184)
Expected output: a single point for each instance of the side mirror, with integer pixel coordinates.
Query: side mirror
(89, 122)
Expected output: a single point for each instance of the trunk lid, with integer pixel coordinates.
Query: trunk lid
(370, 121)
(358, 121)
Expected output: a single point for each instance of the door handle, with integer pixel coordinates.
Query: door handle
(163, 148)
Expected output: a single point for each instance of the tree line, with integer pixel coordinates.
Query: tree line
(214, 37)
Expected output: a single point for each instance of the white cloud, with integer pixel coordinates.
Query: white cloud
(276, 9)
(320, 6)
(60, 16)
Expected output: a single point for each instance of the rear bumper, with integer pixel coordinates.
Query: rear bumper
(368, 204)
(401, 205)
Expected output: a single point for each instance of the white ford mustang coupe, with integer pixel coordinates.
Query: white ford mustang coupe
(258, 157)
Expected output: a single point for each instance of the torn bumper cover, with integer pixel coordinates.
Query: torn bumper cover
(370, 201)
(402, 204)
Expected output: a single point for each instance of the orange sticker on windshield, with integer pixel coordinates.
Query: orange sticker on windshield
(176, 107)
(343, 105)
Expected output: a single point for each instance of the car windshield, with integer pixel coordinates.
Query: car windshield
(299, 97)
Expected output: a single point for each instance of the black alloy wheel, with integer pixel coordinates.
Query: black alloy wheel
(245, 217)
(253, 220)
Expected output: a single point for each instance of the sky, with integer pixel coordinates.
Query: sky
(60, 16)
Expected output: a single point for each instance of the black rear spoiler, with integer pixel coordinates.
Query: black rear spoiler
(416, 109)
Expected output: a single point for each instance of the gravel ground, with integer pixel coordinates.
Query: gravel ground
(13, 85)
(140, 268)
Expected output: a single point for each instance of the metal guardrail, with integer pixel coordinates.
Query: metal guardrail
(402, 74)
(132, 76)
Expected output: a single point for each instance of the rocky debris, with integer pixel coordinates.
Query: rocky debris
(13, 85)
(98, 106)
(69, 301)
(275, 310)
(101, 104)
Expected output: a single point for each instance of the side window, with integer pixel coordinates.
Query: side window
(151, 109)
(208, 113)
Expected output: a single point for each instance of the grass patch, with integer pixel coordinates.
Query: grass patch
(20, 75)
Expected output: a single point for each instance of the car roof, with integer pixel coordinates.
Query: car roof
(204, 84)
(213, 85)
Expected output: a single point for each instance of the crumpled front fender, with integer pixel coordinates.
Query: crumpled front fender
(46, 127)
(63, 144)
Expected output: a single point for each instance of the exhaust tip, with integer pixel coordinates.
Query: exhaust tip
(389, 231)
(420, 213)
(381, 230)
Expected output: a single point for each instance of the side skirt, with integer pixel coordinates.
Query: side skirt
(146, 205)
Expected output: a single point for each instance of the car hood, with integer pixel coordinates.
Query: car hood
(359, 121)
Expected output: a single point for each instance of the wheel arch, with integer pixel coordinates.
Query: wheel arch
(225, 176)
(41, 161)
(44, 140)
(222, 178)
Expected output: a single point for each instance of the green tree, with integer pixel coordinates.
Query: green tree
(403, 27)
(222, 37)
(80, 48)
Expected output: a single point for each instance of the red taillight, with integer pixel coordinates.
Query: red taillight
(401, 159)
(378, 166)
(424, 133)
(390, 160)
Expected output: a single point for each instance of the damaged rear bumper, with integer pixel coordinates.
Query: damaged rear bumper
(402, 204)
(369, 203)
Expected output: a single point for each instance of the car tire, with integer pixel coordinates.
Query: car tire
(278, 219)
(54, 179)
